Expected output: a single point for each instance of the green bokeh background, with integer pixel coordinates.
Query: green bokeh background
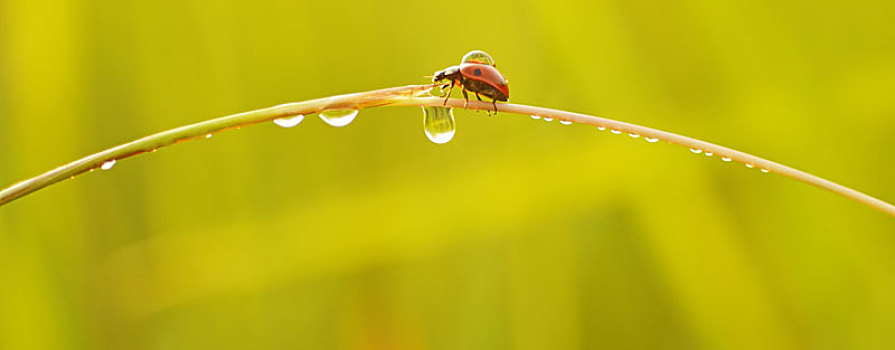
(518, 234)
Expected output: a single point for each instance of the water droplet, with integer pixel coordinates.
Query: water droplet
(92, 169)
(764, 170)
(615, 131)
(438, 123)
(71, 177)
(633, 135)
(289, 121)
(750, 166)
(153, 150)
(548, 119)
(107, 165)
(708, 154)
(725, 159)
(651, 139)
(694, 150)
(339, 117)
(601, 128)
(535, 117)
(207, 136)
(565, 122)
(477, 56)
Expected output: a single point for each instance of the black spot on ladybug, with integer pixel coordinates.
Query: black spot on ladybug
(478, 71)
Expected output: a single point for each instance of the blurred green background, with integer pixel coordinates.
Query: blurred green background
(518, 234)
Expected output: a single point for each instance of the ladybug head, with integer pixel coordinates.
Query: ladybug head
(445, 74)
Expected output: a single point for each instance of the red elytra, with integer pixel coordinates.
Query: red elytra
(488, 75)
(480, 79)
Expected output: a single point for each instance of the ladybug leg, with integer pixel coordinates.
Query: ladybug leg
(480, 100)
(448, 95)
(494, 103)
(465, 96)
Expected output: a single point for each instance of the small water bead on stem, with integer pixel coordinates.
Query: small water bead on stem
(708, 154)
(725, 159)
(208, 136)
(288, 122)
(438, 123)
(764, 170)
(107, 165)
(651, 139)
(695, 150)
(749, 165)
(565, 122)
(633, 135)
(339, 117)
(601, 128)
(535, 117)
(548, 119)
(615, 131)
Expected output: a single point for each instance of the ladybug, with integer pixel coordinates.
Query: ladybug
(477, 75)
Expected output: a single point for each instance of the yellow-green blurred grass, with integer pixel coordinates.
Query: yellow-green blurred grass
(517, 234)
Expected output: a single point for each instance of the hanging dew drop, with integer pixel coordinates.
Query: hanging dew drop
(615, 131)
(107, 165)
(750, 166)
(651, 139)
(633, 135)
(536, 117)
(565, 122)
(725, 159)
(438, 123)
(601, 128)
(548, 119)
(764, 171)
(709, 154)
(339, 117)
(290, 121)
(207, 136)
(694, 150)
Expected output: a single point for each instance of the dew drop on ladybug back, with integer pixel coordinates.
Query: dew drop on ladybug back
(477, 56)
